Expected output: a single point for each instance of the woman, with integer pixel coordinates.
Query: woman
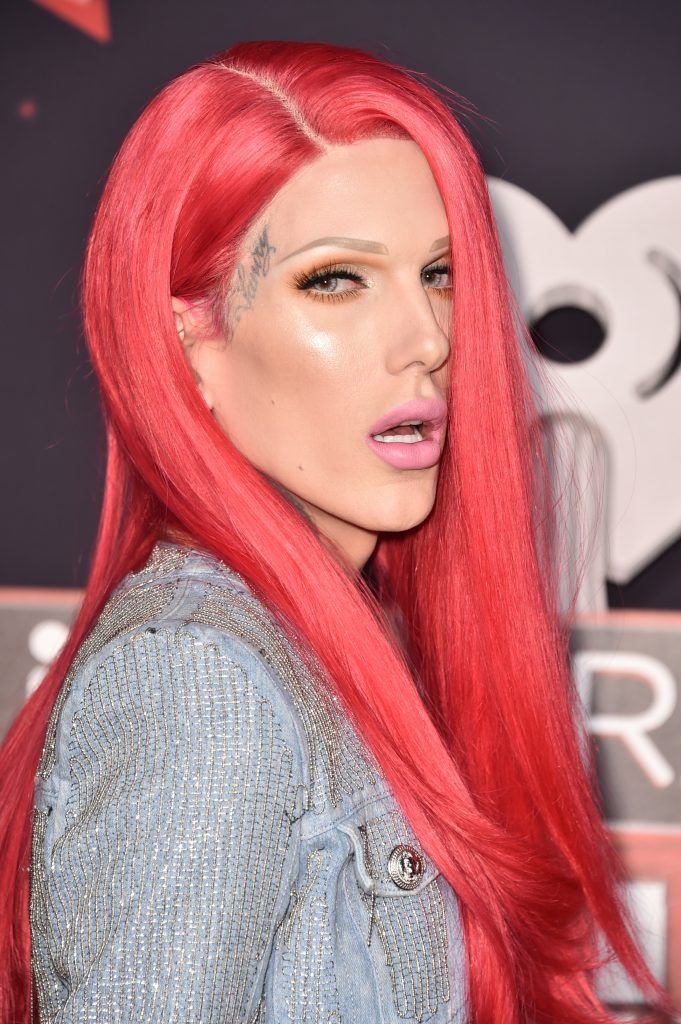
(310, 751)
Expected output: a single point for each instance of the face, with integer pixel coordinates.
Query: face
(339, 314)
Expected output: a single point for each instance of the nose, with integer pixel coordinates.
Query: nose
(418, 339)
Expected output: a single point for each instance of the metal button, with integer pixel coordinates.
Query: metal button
(406, 866)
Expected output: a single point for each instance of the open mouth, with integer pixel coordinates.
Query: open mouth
(411, 443)
(411, 435)
(407, 432)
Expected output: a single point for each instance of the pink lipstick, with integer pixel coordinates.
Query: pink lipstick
(411, 435)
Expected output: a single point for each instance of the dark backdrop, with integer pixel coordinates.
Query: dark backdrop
(575, 102)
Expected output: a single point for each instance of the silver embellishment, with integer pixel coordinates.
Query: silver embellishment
(339, 762)
(307, 949)
(132, 607)
(259, 1013)
(405, 866)
(411, 925)
(123, 611)
(370, 870)
(168, 706)
(164, 558)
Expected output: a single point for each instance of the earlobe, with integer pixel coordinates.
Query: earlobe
(204, 394)
(200, 384)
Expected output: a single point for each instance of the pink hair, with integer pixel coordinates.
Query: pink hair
(474, 722)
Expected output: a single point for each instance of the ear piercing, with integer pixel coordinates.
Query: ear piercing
(179, 325)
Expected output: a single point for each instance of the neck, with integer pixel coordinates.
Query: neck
(346, 543)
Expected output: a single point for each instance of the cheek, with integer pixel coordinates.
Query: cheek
(282, 384)
(297, 355)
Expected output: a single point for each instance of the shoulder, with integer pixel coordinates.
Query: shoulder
(175, 652)
(186, 628)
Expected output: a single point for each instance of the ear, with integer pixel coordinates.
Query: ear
(187, 326)
(180, 307)
(187, 319)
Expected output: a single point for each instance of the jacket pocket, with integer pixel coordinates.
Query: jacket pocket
(396, 902)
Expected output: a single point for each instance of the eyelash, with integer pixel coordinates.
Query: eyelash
(305, 280)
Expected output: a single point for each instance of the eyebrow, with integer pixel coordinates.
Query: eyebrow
(362, 244)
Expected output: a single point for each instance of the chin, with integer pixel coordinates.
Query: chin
(409, 508)
(401, 527)
(403, 519)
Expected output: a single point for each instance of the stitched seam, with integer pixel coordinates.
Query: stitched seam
(346, 817)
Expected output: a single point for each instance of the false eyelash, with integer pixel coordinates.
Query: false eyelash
(305, 279)
(441, 268)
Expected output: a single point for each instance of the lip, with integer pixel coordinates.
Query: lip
(418, 454)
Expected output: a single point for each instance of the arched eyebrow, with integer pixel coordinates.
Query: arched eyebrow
(361, 244)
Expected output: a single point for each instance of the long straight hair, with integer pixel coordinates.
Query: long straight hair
(473, 718)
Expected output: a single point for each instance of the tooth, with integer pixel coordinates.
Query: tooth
(399, 438)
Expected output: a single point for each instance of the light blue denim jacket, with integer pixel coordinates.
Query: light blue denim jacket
(212, 842)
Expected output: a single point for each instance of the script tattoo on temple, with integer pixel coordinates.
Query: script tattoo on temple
(246, 284)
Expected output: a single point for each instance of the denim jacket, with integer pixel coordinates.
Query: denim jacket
(211, 840)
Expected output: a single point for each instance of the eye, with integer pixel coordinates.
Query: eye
(439, 277)
(323, 283)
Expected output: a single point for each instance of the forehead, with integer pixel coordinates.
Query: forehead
(377, 189)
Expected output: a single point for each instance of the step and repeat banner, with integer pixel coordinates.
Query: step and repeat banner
(592, 244)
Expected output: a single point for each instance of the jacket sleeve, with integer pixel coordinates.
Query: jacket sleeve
(175, 843)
